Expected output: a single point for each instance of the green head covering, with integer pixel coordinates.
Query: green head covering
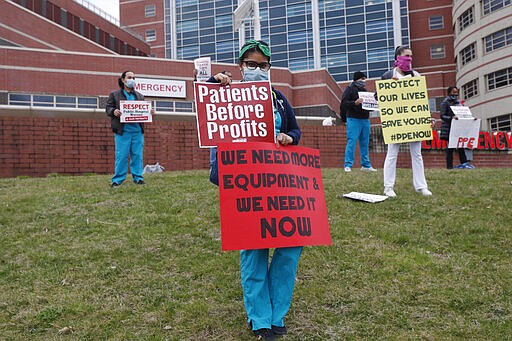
(254, 43)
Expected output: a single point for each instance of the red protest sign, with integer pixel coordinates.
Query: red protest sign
(271, 197)
(240, 112)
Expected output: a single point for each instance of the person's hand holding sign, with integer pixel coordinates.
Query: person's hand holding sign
(358, 101)
(117, 112)
(223, 78)
(284, 139)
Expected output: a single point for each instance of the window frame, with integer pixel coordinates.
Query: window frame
(150, 37)
(468, 54)
(434, 54)
(463, 23)
(149, 11)
(435, 26)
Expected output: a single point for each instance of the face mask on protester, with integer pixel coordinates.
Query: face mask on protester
(360, 84)
(130, 83)
(454, 97)
(404, 63)
(255, 75)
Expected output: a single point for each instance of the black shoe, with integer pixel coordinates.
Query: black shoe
(115, 184)
(279, 330)
(264, 334)
(140, 182)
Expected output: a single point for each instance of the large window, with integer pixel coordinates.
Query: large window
(173, 106)
(437, 52)
(224, 20)
(149, 11)
(328, 5)
(499, 79)
(436, 23)
(466, 18)
(53, 101)
(501, 123)
(489, 6)
(150, 35)
(498, 39)
(470, 89)
(468, 54)
(187, 26)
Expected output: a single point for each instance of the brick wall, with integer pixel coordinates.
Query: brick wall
(37, 146)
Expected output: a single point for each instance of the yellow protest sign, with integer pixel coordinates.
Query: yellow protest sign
(404, 109)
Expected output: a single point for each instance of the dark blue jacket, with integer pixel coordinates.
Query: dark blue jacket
(447, 116)
(348, 101)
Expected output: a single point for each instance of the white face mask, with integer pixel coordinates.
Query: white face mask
(130, 83)
(255, 75)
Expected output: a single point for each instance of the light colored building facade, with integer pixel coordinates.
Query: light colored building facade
(483, 54)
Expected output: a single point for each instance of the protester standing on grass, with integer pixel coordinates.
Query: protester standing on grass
(402, 69)
(358, 123)
(128, 137)
(267, 288)
(447, 116)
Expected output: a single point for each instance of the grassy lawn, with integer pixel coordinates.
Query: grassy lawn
(144, 262)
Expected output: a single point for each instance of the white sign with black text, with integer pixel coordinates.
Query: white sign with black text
(135, 111)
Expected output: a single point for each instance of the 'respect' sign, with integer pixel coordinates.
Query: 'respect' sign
(135, 111)
(271, 196)
(240, 112)
(161, 87)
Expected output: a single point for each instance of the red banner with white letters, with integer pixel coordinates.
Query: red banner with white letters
(239, 112)
(271, 197)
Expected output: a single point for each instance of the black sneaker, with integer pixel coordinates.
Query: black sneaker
(264, 334)
(115, 184)
(279, 330)
(140, 182)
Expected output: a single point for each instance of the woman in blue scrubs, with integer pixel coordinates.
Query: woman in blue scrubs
(267, 288)
(128, 137)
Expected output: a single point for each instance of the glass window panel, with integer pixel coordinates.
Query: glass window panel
(490, 6)
(467, 54)
(150, 35)
(436, 23)
(184, 106)
(187, 26)
(437, 52)
(330, 5)
(87, 102)
(498, 39)
(224, 20)
(65, 102)
(466, 18)
(149, 11)
(470, 89)
(19, 99)
(164, 106)
(42, 101)
(499, 79)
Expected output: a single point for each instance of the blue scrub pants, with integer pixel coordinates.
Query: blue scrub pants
(268, 289)
(357, 130)
(129, 144)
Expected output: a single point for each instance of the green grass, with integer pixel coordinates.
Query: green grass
(145, 262)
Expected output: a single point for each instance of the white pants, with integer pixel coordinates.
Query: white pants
(418, 171)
